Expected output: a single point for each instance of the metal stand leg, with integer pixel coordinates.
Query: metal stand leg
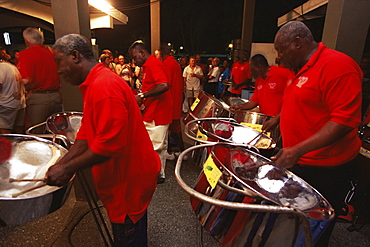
(108, 241)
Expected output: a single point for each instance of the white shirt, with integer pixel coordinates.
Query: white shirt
(192, 82)
(9, 76)
(215, 72)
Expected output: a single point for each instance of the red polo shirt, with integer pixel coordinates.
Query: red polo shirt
(113, 127)
(174, 76)
(240, 73)
(37, 64)
(157, 108)
(268, 93)
(328, 87)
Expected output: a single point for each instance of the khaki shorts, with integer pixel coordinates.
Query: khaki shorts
(192, 93)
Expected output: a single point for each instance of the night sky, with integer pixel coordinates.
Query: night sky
(201, 26)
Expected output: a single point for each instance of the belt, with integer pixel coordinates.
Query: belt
(45, 92)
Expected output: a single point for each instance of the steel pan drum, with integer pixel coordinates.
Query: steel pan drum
(65, 123)
(283, 210)
(206, 106)
(227, 130)
(28, 157)
(233, 101)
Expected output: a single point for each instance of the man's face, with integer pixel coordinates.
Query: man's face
(254, 70)
(197, 59)
(286, 52)
(138, 56)
(3, 55)
(192, 62)
(121, 59)
(215, 62)
(68, 69)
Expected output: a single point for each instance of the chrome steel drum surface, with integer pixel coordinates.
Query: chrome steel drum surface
(233, 101)
(65, 123)
(28, 157)
(277, 185)
(250, 117)
(227, 130)
(207, 106)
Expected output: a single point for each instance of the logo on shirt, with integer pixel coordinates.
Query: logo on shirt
(259, 87)
(144, 75)
(272, 85)
(301, 80)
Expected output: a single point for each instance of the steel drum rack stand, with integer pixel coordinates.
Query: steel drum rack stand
(238, 205)
(88, 192)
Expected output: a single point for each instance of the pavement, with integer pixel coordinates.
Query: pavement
(171, 222)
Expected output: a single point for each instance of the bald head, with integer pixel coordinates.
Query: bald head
(294, 44)
(295, 29)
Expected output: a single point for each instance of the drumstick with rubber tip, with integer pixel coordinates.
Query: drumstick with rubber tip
(12, 180)
(28, 190)
(260, 134)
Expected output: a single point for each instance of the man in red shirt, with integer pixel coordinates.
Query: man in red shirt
(112, 140)
(320, 115)
(157, 100)
(39, 74)
(240, 76)
(174, 75)
(269, 86)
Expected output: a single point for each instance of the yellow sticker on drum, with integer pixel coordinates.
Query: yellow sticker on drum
(195, 103)
(211, 171)
(257, 127)
(201, 136)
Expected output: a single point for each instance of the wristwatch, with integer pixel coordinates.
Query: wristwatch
(141, 95)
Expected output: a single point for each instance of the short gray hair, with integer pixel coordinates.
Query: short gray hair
(33, 36)
(294, 29)
(74, 42)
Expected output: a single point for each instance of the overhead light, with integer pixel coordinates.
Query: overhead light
(101, 5)
(93, 41)
(181, 47)
(230, 46)
(7, 38)
(105, 7)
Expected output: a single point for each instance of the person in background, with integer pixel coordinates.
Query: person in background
(198, 62)
(158, 54)
(213, 76)
(269, 86)
(125, 71)
(183, 62)
(40, 77)
(240, 75)
(193, 75)
(320, 115)
(174, 76)
(136, 75)
(112, 140)
(112, 65)
(12, 101)
(226, 74)
(156, 98)
(105, 60)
